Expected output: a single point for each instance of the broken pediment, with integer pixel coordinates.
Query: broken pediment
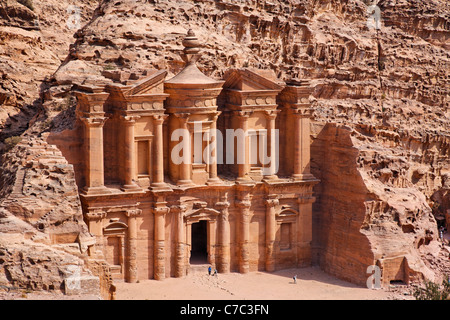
(249, 80)
(202, 214)
(152, 84)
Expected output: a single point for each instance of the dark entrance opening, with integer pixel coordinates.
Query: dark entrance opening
(199, 250)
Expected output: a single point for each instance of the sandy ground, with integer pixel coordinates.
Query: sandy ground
(312, 284)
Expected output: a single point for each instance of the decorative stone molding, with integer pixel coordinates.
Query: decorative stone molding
(242, 114)
(161, 211)
(130, 119)
(95, 215)
(244, 204)
(301, 112)
(271, 114)
(133, 213)
(177, 209)
(93, 120)
(222, 205)
(159, 118)
(199, 204)
(272, 202)
(306, 199)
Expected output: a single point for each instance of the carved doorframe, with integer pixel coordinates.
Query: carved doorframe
(211, 216)
(117, 229)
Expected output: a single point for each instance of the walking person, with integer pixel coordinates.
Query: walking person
(295, 279)
(209, 270)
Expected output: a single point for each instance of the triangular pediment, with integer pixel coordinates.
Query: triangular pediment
(152, 84)
(202, 214)
(248, 80)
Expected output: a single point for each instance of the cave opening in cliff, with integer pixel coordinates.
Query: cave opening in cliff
(199, 251)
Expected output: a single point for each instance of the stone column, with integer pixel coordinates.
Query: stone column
(93, 135)
(159, 244)
(213, 178)
(304, 230)
(271, 224)
(270, 168)
(158, 152)
(94, 222)
(244, 234)
(301, 144)
(132, 269)
(223, 265)
(180, 262)
(244, 168)
(186, 163)
(129, 154)
(211, 243)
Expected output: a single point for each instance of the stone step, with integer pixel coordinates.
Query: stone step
(199, 269)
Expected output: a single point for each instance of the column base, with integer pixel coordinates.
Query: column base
(301, 176)
(244, 180)
(185, 183)
(88, 191)
(130, 188)
(160, 186)
(271, 177)
(214, 182)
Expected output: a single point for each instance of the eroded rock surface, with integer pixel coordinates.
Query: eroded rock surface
(384, 167)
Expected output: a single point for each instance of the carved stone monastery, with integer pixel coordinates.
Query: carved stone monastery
(154, 216)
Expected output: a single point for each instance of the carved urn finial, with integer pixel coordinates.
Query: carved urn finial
(191, 51)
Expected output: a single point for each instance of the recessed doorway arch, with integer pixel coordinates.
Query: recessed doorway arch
(201, 235)
(199, 242)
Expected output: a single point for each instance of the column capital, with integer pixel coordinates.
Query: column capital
(271, 114)
(272, 202)
(95, 215)
(133, 213)
(183, 115)
(301, 112)
(161, 210)
(178, 209)
(306, 199)
(244, 114)
(159, 118)
(222, 205)
(129, 119)
(223, 208)
(93, 121)
(215, 115)
(244, 204)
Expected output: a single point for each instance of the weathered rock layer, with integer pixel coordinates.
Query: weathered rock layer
(382, 157)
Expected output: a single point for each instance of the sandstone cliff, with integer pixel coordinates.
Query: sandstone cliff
(43, 235)
(380, 143)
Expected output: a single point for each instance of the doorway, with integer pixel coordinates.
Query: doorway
(199, 249)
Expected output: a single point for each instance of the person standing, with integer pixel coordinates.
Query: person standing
(209, 270)
(295, 279)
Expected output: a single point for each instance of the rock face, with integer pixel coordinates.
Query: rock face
(44, 238)
(33, 44)
(364, 220)
(30, 265)
(39, 188)
(381, 139)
